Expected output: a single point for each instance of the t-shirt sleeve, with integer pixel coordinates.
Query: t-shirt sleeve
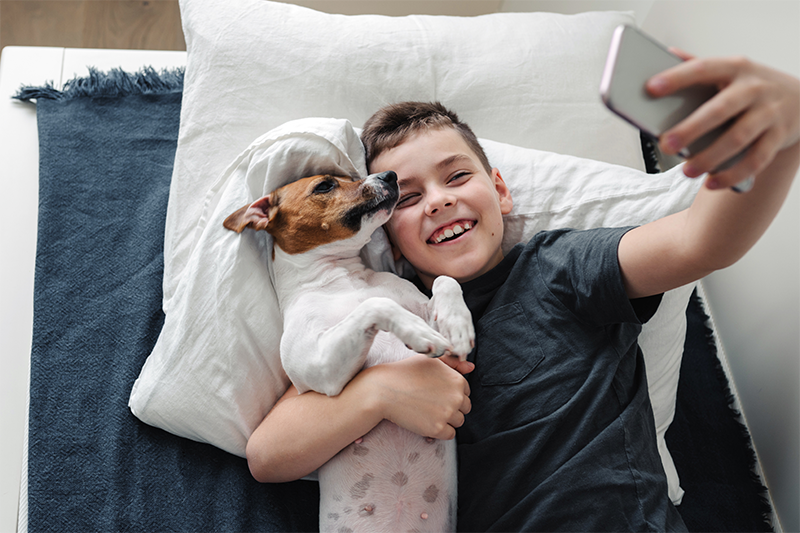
(581, 270)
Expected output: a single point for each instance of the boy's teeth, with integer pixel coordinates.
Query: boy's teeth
(456, 230)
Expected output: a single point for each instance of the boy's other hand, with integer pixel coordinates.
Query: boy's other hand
(425, 396)
(764, 102)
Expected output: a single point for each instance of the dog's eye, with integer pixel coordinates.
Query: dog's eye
(324, 187)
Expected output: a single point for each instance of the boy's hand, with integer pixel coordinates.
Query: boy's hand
(765, 102)
(426, 396)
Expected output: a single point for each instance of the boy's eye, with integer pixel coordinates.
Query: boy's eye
(407, 200)
(458, 175)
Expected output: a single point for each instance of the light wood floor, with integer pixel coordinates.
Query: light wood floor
(127, 24)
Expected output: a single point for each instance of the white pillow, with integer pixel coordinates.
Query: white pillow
(527, 79)
(215, 370)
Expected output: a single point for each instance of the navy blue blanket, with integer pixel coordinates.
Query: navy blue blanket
(106, 152)
(105, 168)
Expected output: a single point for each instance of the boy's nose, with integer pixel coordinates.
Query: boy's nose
(437, 202)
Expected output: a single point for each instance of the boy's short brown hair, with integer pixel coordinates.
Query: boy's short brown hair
(391, 125)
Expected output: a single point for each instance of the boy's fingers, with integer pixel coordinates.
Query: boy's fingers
(739, 96)
(740, 135)
(457, 420)
(462, 367)
(717, 72)
(466, 405)
(712, 114)
(757, 158)
(757, 105)
(448, 432)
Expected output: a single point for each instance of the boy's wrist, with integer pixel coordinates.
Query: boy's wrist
(369, 390)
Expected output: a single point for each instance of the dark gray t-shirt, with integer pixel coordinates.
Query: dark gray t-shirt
(561, 434)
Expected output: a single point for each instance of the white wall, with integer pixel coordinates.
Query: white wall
(756, 303)
(640, 8)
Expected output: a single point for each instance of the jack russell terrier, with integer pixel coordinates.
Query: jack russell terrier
(338, 316)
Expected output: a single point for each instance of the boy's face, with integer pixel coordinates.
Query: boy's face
(448, 220)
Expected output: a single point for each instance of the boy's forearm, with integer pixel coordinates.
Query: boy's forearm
(715, 232)
(302, 432)
(426, 396)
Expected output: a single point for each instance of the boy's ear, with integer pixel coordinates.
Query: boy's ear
(503, 192)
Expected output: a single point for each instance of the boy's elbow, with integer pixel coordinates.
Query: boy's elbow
(263, 467)
(259, 468)
(701, 256)
(725, 262)
(707, 263)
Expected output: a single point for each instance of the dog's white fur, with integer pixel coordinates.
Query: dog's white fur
(339, 317)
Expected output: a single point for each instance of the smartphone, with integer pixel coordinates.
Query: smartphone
(634, 58)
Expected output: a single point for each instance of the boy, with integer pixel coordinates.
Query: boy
(560, 433)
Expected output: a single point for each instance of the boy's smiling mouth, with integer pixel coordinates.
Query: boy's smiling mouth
(451, 231)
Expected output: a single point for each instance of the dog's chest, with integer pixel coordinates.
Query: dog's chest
(357, 286)
(330, 298)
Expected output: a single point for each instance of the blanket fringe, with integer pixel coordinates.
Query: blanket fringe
(113, 83)
(760, 491)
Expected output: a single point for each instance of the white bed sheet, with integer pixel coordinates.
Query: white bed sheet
(19, 182)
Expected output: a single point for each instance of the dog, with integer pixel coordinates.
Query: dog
(340, 317)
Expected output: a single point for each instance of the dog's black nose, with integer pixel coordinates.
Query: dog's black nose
(387, 177)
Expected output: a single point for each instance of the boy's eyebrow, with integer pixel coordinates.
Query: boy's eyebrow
(446, 162)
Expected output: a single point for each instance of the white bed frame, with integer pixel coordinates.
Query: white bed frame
(755, 304)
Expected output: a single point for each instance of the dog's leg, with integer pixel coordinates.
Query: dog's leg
(451, 315)
(341, 350)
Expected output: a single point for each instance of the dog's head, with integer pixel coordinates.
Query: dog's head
(320, 210)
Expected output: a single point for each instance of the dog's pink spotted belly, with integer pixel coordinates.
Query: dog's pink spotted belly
(390, 480)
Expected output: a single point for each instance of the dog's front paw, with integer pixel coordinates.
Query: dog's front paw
(459, 329)
(452, 316)
(422, 338)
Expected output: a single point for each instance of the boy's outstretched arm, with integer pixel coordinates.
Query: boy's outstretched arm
(721, 225)
(302, 432)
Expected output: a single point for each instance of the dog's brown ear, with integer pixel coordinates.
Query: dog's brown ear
(256, 215)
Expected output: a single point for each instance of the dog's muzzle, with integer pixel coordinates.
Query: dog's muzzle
(381, 194)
